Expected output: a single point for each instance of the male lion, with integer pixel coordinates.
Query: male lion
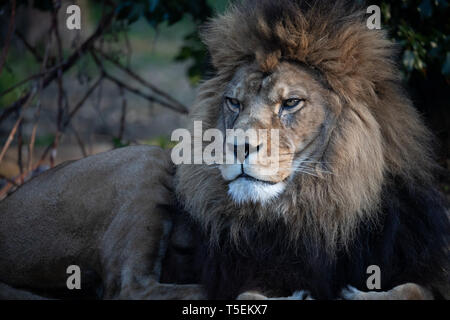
(354, 186)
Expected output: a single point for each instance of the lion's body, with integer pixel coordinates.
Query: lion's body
(103, 213)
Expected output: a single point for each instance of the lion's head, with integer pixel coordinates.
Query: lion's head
(290, 99)
(330, 85)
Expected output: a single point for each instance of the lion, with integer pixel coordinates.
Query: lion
(354, 185)
(355, 182)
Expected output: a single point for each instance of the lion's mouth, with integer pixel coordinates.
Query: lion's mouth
(250, 178)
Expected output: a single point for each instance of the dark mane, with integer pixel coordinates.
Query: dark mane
(409, 245)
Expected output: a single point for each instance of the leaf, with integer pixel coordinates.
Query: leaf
(117, 143)
(408, 60)
(434, 52)
(442, 4)
(446, 67)
(152, 4)
(425, 9)
(123, 10)
(420, 64)
(43, 5)
(129, 12)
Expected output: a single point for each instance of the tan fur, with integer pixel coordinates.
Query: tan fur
(377, 132)
(407, 291)
(101, 213)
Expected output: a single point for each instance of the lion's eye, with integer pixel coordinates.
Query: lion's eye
(233, 104)
(292, 103)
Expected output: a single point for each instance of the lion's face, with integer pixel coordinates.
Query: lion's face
(291, 100)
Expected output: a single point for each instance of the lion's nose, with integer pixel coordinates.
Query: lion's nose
(245, 149)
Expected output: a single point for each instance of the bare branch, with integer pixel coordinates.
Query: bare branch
(38, 109)
(144, 82)
(32, 77)
(142, 94)
(10, 137)
(61, 93)
(30, 48)
(138, 92)
(33, 138)
(9, 35)
(69, 63)
(19, 147)
(82, 101)
(10, 181)
(69, 118)
(79, 140)
(14, 129)
(16, 180)
(55, 27)
(123, 115)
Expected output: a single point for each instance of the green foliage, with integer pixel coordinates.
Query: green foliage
(117, 143)
(157, 12)
(44, 140)
(421, 28)
(194, 49)
(43, 5)
(18, 67)
(161, 141)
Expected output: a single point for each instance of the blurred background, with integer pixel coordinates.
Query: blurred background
(129, 75)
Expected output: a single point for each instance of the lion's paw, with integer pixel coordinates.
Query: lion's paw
(351, 293)
(297, 295)
(251, 295)
(300, 295)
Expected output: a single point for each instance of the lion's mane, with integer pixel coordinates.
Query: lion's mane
(379, 154)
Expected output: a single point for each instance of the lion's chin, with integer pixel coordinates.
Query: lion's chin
(243, 190)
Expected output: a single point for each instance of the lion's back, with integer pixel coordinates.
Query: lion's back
(63, 211)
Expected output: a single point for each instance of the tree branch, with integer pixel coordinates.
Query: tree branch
(16, 125)
(142, 94)
(178, 105)
(30, 48)
(69, 118)
(138, 92)
(69, 63)
(8, 36)
(61, 92)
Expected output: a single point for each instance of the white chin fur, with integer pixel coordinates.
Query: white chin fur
(243, 190)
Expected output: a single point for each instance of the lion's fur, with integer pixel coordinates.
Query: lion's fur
(102, 213)
(379, 138)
